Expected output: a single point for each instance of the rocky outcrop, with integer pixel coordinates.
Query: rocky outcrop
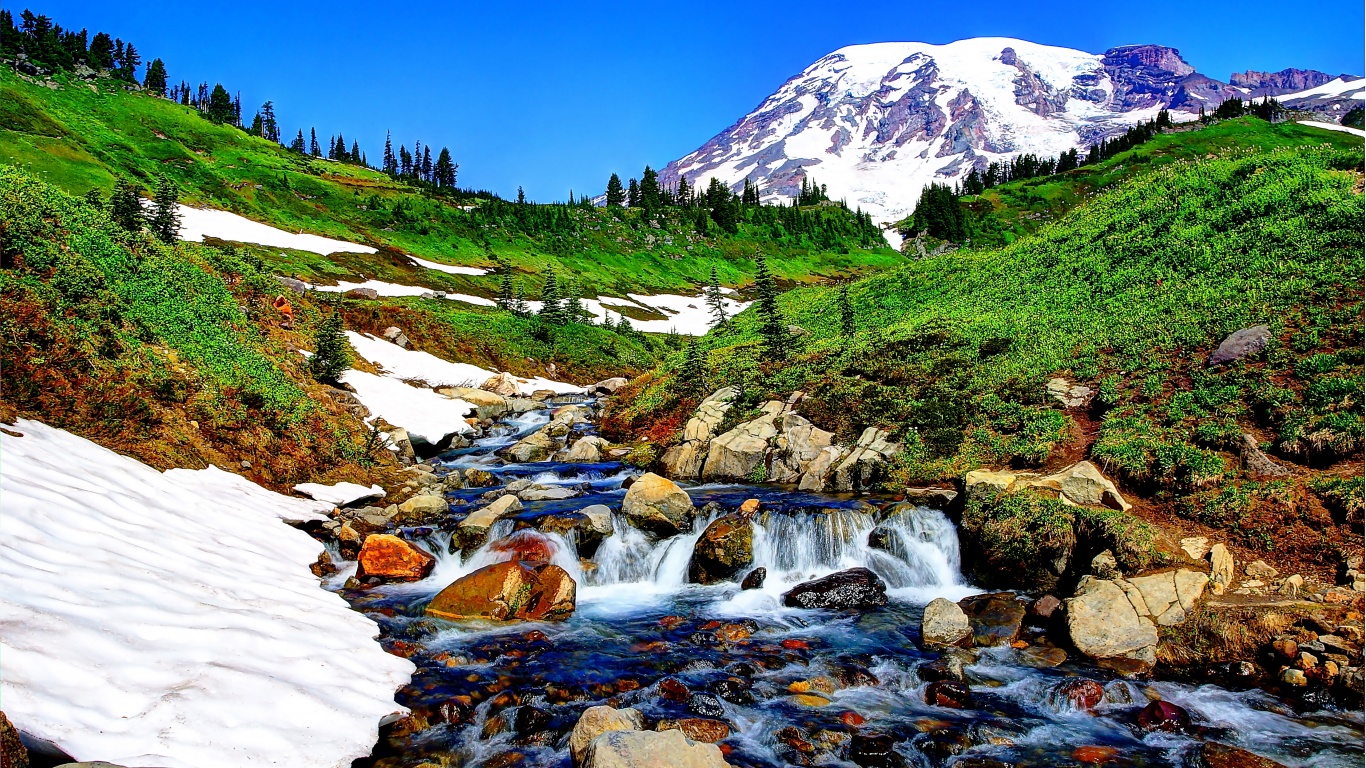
(1288, 80)
(1241, 344)
(539, 445)
(587, 450)
(1081, 484)
(473, 531)
(1256, 463)
(658, 505)
(651, 749)
(510, 590)
(1116, 620)
(487, 405)
(391, 558)
(859, 467)
(854, 588)
(608, 386)
(737, 454)
(396, 335)
(1222, 568)
(723, 550)
(13, 753)
(504, 384)
(1068, 394)
(595, 721)
(685, 460)
(944, 624)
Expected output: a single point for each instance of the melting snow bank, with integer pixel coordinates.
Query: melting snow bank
(339, 494)
(170, 620)
(415, 365)
(198, 223)
(449, 268)
(1333, 127)
(422, 412)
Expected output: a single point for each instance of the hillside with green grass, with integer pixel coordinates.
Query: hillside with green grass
(1007, 211)
(1129, 292)
(84, 134)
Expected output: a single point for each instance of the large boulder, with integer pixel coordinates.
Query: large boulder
(685, 460)
(595, 721)
(995, 617)
(487, 405)
(1212, 754)
(1240, 344)
(854, 588)
(539, 445)
(651, 749)
(473, 531)
(861, 467)
(723, 551)
(1082, 484)
(1104, 624)
(799, 442)
(389, 557)
(1168, 597)
(423, 508)
(658, 505)
(741, 452)
(944, 624)
(587, 449)
(608, 386)
(504, 384)
(506, 591)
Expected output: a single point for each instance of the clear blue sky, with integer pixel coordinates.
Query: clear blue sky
(558, 95)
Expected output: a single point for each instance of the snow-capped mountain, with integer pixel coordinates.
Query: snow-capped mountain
(877, 123)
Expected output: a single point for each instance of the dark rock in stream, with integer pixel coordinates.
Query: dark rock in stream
(723, 550)
(1164, 716)
(754, 579)
(854, 588)
(705, 705)
(948, 693)
(996, 618)
(733, 689)
(872, 749)
(1212, 754)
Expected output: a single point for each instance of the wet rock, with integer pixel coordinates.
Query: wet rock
(530, 720)
(1078, 694)
(1164, 716)
(478, 478)
(723, 550)
(422, 509)
(1241, 344)
(473, 530)
(651, 749)
(705, 705)
(1221, 568)
(1042, 656)
(944, 623)
(526, 545)
(995, 618)
(673, 689)
(595, 721)
(1212, 754)
(882, 538)
(389, 557)
(754, 579)
(539, 445)
(949, 666)
(934, 498)
(507, 591)
(748, 509)
(854, 588)
(13, 754)
(539, 492)
(487, 405)
(658, 505)
(872, 749)
(948, 693)
(1094, 754)
(733, 689)
(1104, 624)
(697, 728)
(587, 449)
(1045, 607)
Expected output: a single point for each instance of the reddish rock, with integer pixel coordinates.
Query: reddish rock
(1044, 607)
(526, 545)
(852, 719)
(1164, 716)
(509, 590)
(749, 509)
(795, 645)
(672, 689)
(1079, 694)
(1094, 755)
(697, 728)
(948, 693)
(1211, 754)
(389, 557)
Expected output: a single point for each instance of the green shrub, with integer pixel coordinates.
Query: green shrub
(1023, 540)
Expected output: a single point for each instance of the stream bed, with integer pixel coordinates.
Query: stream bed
(771, 685)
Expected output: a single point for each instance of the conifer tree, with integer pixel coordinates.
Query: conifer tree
(692, 376)
(846, 312)
(390, 163)
(101, 52)
(519, 305)
(270, 127)
(716, 303)
(165, 219)
(155, 79)
(220, 106)
(354, 155)
(771, 326)
(684, 195)
(125, 206)
(649, 190)
(331, 353)
(445, 169)
(521, 196)
(615, 194)
(313, 148)
(573, 304)
(427, 168)
(255, 129)
(129, 64)
(506, 296)
(298, 144)
(633, 195)
(552, 309)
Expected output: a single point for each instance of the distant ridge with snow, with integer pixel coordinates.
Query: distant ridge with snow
(877, 123)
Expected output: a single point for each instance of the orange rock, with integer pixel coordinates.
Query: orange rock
(389, 557)
(508, 591)
(526, 545)
(852, 719)
(1019, 644)
(749, 509)
(697, 728)
(795, 645)
(732, 632)
(669, 622)
(1093, 755)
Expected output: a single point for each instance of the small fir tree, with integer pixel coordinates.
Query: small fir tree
(165, 219)
(846, 312)
(331, 354)
(692, 377)
(552, 308)
(506, 294)
(125, 206)
(716, 303)
(771, 326)
(615, 194)
(155, 79)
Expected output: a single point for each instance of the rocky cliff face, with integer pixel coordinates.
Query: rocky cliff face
(1277, 83)
(877, 123)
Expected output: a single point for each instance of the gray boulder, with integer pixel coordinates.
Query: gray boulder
(1241, 344)
(944, 624)
(657, 504)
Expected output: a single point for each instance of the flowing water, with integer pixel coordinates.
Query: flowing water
(508, 694)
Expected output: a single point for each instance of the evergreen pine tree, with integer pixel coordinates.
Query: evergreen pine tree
(155, 79)
(506, 297)
(521, 196)
(573, 304)
(771, 326)
(633, 195)
(444, 171)
(692, 376)
(846, 312)
(390, 164)
(716, 303)
(219, 108)
(165, 219)
(649, 190)
(298, 145)
(255, 129)
(615, 194)
(270, 127)
(552, 310)
(331, 353)
(313, 148)
(125, 206)
(684, 194)
(354, 155)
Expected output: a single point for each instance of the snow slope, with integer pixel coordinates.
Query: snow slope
(449, 268)
(416, 365)
(877, 123)
(198, 223)
(421, 411)
(170, 620)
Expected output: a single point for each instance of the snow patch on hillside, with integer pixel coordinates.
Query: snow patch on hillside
(449, 268)
(396, 290)
(416, 365)
(419, 410)
(1334, 127)
(198, 223)
(170, 619)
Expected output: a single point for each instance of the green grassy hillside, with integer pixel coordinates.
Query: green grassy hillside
(81, 135)
(1129, 293)
(1005, 212)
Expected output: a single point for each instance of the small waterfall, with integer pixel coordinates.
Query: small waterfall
(628, 556)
